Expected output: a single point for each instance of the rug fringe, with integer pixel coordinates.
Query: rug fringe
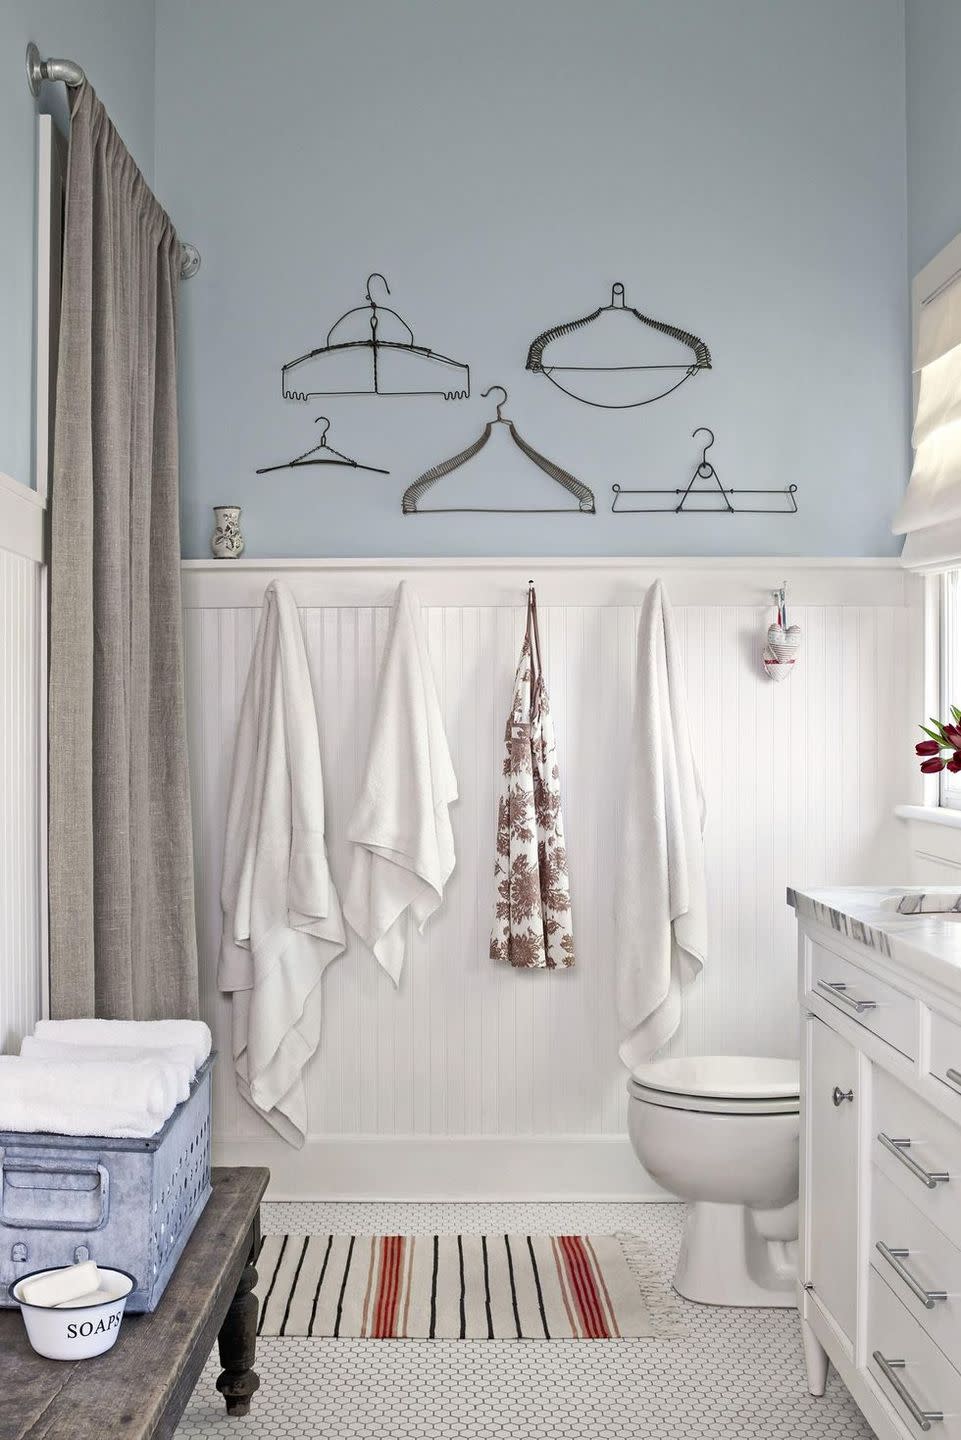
(661, 1302)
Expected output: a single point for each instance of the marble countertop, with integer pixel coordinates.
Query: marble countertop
(926, 944)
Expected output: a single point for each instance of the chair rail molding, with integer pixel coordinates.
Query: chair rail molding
(560, 580)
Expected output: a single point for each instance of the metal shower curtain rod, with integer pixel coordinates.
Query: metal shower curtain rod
(72, 75)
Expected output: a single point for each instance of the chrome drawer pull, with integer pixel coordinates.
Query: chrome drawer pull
(931, 1178)
(894, 1258)
(921, 1418)
(953, 1075)
(837, 988)
(839, 1096)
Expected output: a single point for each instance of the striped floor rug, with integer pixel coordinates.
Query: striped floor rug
(451, 1287)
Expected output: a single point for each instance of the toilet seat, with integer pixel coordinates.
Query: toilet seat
(720, 1084)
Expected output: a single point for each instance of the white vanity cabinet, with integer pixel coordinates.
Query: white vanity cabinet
(831, 1210)
(880, 1224)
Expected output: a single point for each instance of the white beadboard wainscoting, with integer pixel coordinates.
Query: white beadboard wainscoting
(475, 1080)
(22, 775)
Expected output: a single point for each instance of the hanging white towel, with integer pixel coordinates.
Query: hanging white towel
(138, 1034)
(282, 917)
(403, 842)
(661, 907)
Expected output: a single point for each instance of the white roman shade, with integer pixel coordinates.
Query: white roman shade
(930, 513)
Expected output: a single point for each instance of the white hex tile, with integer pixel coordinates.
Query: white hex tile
(735, 1375)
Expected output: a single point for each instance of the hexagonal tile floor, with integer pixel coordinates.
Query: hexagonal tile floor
(736, 1374)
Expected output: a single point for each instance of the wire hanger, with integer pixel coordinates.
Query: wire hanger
(322, 454)
(711, 498)
(616, 385)
(580, 491)
(357, 359)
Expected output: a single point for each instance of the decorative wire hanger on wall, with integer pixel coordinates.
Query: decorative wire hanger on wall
(365, 357)
(581, 492)
(322, 454)
(700, 495)
(615, 385)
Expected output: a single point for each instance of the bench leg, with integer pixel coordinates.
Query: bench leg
(237, 1341)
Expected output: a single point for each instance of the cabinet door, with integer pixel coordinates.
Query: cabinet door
(831, 1173)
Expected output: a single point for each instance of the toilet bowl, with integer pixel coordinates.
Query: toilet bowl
(721, 1131)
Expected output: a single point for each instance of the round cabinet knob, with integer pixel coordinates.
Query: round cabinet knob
(839, 1096)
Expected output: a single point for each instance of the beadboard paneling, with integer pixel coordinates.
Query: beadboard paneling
(801, 780)
(20, 850)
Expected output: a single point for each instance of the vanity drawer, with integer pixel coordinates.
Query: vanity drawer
(907, 1367)
(945, 1055)
(927, 1280)
(879, 1007)
(926, 1163)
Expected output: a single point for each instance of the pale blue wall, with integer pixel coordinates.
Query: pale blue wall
(114, 42)
(739, 164)
(934, 127)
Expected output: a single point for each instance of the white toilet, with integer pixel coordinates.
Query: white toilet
(721, 1131)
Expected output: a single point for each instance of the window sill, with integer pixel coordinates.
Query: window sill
(930, 815)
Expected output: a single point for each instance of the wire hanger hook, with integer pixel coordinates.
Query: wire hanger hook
(707, 431)
(490, 389)
(705, 468)
(323, 437)
(376, 276)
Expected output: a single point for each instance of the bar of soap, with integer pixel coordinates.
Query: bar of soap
(61, 1285)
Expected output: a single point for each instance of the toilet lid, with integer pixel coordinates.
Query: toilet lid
(722, 1077)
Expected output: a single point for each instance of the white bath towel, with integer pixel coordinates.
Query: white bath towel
(139, 1034)
(83, 1097)
(176, 1061)
(660, 900)
(282, 917)
(403, 842)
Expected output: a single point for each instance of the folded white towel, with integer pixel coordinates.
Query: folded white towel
(660, 900)
(176, 1061)
(403, 842)
(282, 918)
(140, 1034)
(83, 1097)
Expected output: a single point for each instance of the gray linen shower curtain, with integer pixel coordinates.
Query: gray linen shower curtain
(122, 936)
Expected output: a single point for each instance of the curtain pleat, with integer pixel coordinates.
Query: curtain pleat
(122, 930)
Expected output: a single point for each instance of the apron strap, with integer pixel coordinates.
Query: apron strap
(533, 634)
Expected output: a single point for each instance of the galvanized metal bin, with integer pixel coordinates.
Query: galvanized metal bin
(131, 1204)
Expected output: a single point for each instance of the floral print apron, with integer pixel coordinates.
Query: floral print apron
(532, 924)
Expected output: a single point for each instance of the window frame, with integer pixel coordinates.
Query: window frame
(948, 651)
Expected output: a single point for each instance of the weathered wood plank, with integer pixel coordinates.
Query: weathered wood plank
(140, 1388)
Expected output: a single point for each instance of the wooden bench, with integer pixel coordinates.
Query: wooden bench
(140, 1388)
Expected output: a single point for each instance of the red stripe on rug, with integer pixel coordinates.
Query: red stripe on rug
(585, 1290)
(388, 1294)
(383, 1280)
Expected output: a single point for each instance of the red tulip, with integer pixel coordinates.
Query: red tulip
(953, 734)
(931, 767)
(928, 747)
(954, 764)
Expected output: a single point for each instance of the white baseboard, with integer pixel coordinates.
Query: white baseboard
(444, 1167)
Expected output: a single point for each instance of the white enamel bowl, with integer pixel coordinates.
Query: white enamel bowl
(76, 1333)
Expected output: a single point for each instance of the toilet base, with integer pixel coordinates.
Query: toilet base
(731, 1255)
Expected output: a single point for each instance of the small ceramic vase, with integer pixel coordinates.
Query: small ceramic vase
(227, 541)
